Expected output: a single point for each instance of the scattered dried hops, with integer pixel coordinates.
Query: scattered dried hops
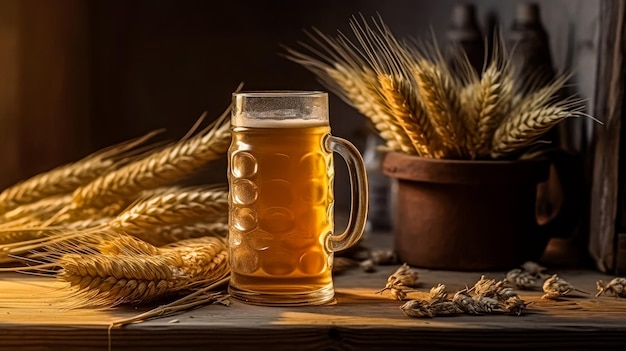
(555, 288)
(436, 304)
(378, 257)
(485, 297)
(401, 282)
(534, 269)
(616, 287)
(526, 277)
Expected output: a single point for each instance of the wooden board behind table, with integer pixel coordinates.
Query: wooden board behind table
(359, 319)
(604, 243)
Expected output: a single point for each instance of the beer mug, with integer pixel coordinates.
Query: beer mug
(281, 200)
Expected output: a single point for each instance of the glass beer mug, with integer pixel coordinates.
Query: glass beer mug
(281, 201)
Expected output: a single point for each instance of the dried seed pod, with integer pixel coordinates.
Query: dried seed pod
(616, 287)
(398, 292)
(555, 287)
(534, 269)
(465, 302)
(404, 275)
(438, 293)
(400, 281)
(515, 305)
(485, 304)
(521, 279)
(384, 256)
(417, 308)
(504, 294)
(426, 309)
(444, 308)
(484, 287)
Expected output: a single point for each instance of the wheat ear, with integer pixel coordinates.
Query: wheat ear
(147, 217)
(169, 234)
(487, 102)
(405, 106)
(439, 95)
(17, 237)
(166, 166)
(363, 91)
(136, 273)
(187, 205)
(343, 70)
(392, 61)
(65, 179)
(41, 209)
(521, 130)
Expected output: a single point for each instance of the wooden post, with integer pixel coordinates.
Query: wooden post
(609, 109)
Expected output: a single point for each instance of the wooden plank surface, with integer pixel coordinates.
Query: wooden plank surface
(359, 319)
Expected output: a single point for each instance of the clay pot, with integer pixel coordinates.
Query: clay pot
(467, 215)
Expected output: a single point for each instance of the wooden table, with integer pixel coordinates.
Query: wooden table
(359, 319)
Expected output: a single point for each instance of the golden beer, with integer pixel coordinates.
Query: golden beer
(281, 213)
(281, 185)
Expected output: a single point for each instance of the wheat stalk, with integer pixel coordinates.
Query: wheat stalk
(405, 106)
(487, 102)
(419, 102)
(440, 96)
(134, 272)
(362, 89)
(521, 130)
(12, 239)
(344, 71)
(539, 97)
(201, 296)
(168, 234)
(41, 209)
(65, 179)
(169, 165)
(65, 216)
(148, 217)
(185, 206)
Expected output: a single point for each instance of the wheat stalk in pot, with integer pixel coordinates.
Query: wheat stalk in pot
(443, 113)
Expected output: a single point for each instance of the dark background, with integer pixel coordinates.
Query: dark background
(80, 75)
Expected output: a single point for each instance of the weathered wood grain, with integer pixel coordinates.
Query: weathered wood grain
(609, 109)
(358, 319)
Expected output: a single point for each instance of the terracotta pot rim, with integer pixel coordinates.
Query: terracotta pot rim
(417, 168)
(458, 161)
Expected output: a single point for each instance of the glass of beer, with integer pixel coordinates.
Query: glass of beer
(281, 200)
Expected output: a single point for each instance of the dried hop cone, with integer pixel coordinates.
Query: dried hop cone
(616, 287)
(401, 281)
(429, 309)
(521, 279)
(555, 287)
(534, 269)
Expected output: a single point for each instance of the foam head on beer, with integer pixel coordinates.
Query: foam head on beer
(278, 109)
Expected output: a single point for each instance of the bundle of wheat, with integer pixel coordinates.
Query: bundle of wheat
(421, 106)
(120, 226)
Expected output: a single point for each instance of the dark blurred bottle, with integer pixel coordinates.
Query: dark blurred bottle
(379, 185)
(530, 47)
(464, 35)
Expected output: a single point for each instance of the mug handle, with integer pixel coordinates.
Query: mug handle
(571, 181)
(358, 191)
